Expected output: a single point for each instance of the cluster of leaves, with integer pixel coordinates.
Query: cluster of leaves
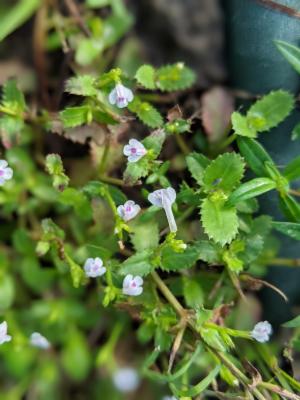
(193, 279)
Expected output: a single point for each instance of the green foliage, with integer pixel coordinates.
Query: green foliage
(146, 113)
(138, 264)
(250, 189)
(75, 116)
(55, 168)
(145, 76)
(220, 223)
(82, 85)
(290, 52)
(241, 125)
(288, 228)
(174, 77)
(293, 323)
(225, 173)
(197, 163)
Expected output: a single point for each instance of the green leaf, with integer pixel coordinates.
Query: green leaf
(145, 75)
(16, 16)
(12, 97)
(200, 387)
(220, 223)
(75, 116)
(174, 77)
(225, 172)
(138, 264)
(241, 126)
(145, 236)
(293, 323)
(155, 142)
(136, 170)
(54, 167)
(296, 132)
(290, 229)
(250, 189)
(197, 163)
(7, 292)
(192, 292)
(173, 261)
(233, 262)
(292, 170)
(146, 113)
(88, 49)
(290, 52)
(83, 85)
(255, 155)
(270, 110)
(76, 271)
(290, 207)
(79, 201)
(208, 252)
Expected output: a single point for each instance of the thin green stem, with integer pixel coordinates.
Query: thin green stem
(182, 145)
(227, 141)
(104, 157)
(294, 192)
(111, 180)
(288, 262)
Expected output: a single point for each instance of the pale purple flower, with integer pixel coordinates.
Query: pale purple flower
(38, 340)
(4, 337)
(164, 198)
(93, 267)
(6, 173)
(262, 331)
(134, 150)
(126, 379)
(120, 96)
(129, 210)
(132, 286)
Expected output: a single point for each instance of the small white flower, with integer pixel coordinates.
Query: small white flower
(120, 96)
(129, 210)
(4, 337)
(134, 150)
(164, 198)
(169, 398)
(6, 173)
(132, 286)
(93, 267)
(126, 379)
(38, 340)
(262, 331)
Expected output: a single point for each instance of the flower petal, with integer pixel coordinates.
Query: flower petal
(112, 97)
(8, 173)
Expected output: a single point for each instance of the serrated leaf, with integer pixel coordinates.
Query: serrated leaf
(241, 126)
(270, 110)
(290, 52)
(174, 77)
(146, 113)
(83, 85)
(76, 271)
(255, 155)
(75, 116)
(293, 323)
(290, 229)
(292, 170)
(290, 207)
(208, 252)
(197, 163)
(225, 172)
(135, 171)
(145, 236)
(138, 264)
(12, 97)
(219, 223)
(145, 75)
(55, 168)
(251, 189)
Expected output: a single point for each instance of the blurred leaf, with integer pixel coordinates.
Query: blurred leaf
(292, 170)
(290, 229)
(16, 16)
(290, 207)
(174, 77)
(193, 292)
(172, 261)
(293, 323)
(76, 356)
(75, 116)
(12, 97)
(54, 167)
(145, 236)
(296, 132)
(290, 52)
(7, 292)
(87, 50)
(209, 252)
(78, 200)
(82, 85)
